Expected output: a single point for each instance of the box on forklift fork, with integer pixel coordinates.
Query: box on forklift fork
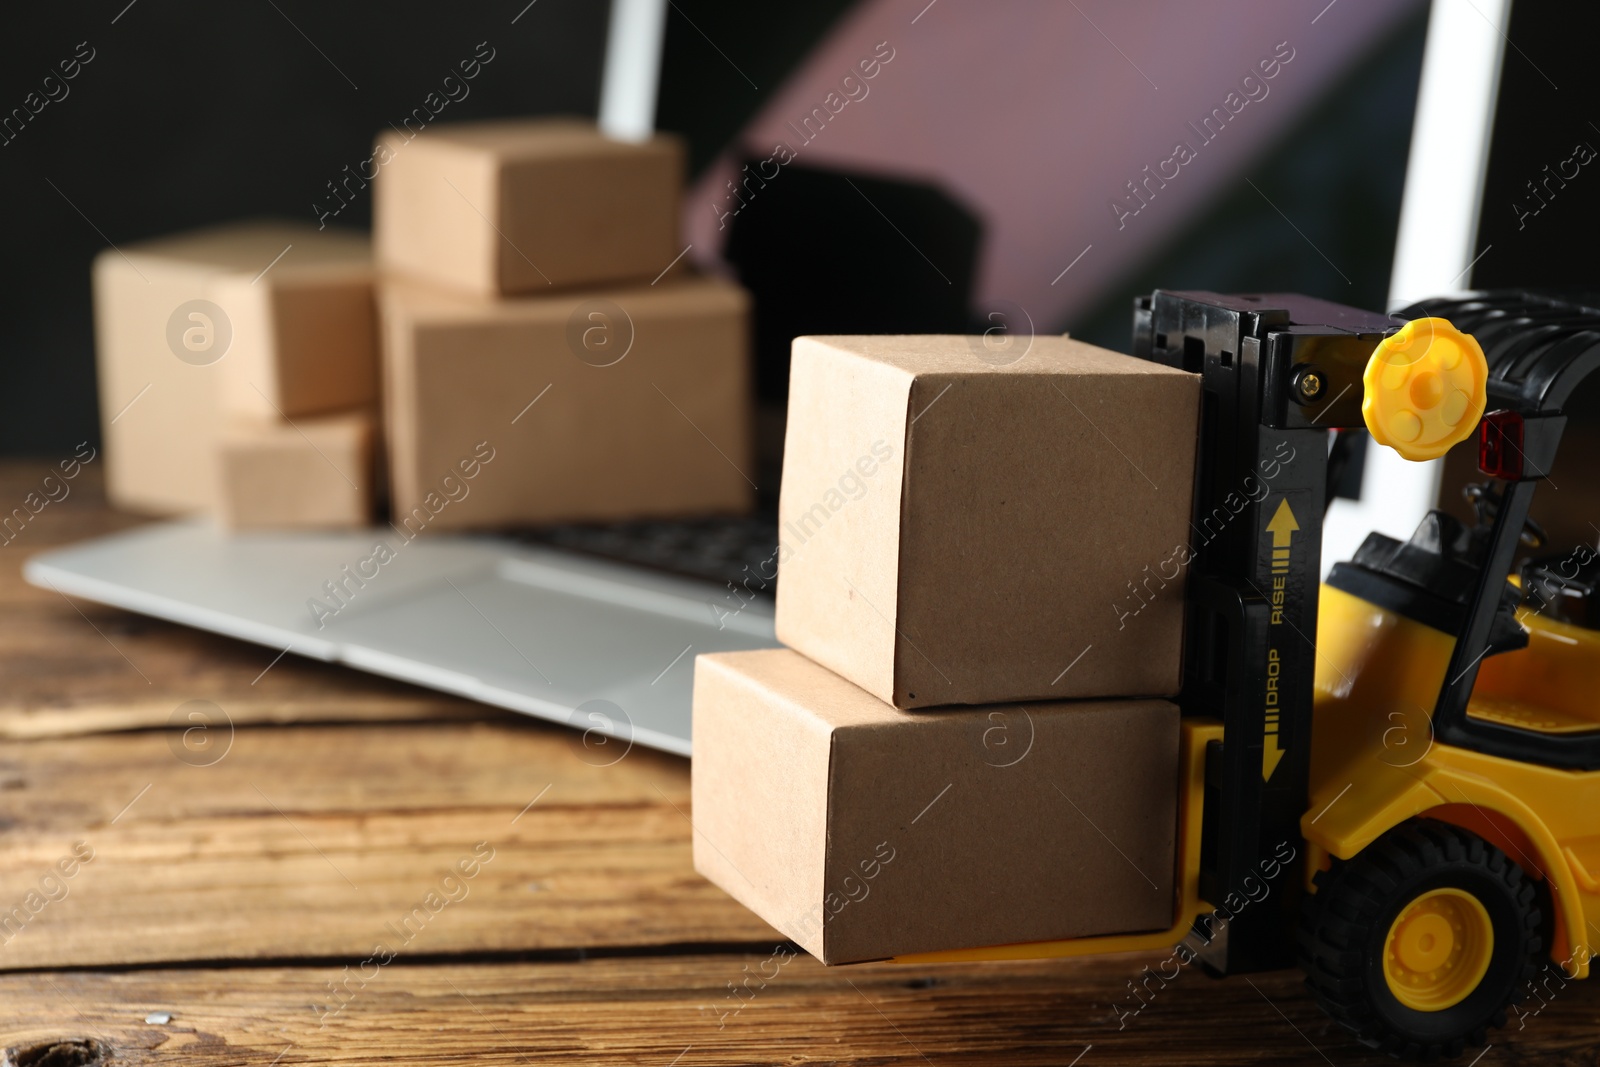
(863, 832)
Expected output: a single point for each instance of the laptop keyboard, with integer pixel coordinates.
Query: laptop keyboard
(741, 551)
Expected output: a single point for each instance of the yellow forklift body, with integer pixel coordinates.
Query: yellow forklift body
(1386, 717)
(1376, 763)
(1552, 686)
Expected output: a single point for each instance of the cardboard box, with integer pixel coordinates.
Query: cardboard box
(305, 340)
(607, 405)
(184, 324)
(955, 532)
(517, 206)
(864, 832)
(313, 473)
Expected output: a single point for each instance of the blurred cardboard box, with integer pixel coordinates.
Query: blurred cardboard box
(305, 341)
(627, 403)
(959, 532)
(271, 318)
(519, 206)
(864, 832)
(315, 473)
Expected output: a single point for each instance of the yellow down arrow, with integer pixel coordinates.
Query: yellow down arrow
(1270, 755)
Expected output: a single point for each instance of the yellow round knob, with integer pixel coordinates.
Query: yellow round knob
(1425, 389)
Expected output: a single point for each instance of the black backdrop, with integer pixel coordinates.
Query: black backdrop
(1541, 200)
(191, 113)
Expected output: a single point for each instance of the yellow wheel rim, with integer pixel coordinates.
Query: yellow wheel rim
(1438, 949)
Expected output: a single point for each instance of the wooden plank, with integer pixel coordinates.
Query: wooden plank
(304, 842)
(676, 1011)
(33, 722)
(73, 667)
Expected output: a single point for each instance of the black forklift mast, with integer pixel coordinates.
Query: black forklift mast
(1278, 372)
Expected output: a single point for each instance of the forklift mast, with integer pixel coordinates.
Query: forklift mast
(1278, 371)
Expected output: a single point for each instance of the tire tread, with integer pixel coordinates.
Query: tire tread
(1353, 895)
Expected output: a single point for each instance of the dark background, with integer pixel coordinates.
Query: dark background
(1338, 173)
(1546, 107)
(196, 113)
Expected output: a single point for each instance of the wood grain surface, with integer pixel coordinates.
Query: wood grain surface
(288, 885)
(676, 1009)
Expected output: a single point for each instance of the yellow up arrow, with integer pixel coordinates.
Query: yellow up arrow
(1282, 524)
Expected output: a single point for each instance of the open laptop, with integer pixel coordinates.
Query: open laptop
(599, 626)
(593, 626)
(542, 625)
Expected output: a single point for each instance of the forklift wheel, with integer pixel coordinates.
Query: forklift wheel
(1421, 942)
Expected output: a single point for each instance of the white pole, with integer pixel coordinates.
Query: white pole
(632, 69)
(1449, 149)
(1438, 229)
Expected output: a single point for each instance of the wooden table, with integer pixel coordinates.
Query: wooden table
(286, 886)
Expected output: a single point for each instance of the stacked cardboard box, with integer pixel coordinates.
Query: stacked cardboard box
(959, 537)
(224, 356)
(533, 308)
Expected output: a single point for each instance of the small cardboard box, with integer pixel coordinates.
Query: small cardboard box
(864, 832)
(305, 340)
(622, 404)
(313, 473)
(266, 319)
(518, 206)
(957, 532)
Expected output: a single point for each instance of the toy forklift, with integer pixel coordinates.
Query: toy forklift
(1392, 778)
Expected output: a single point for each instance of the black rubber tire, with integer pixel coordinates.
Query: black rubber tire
(1345, 922)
